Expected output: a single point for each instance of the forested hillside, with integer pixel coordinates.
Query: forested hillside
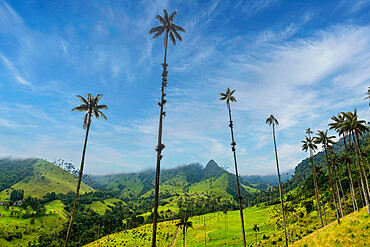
(36, 178)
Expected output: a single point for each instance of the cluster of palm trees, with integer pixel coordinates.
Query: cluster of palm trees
(350, 128)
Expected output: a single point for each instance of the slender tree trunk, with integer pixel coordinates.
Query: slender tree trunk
(331, 184)
(363, 166)
(323, 209)
(280, 187)
(78, 183)
(341, 189)
(352, 189)
(337, 190)
(359, 184)
(356, 170)
(160, 146)
(316, 188)
(362, 180)
(233, 144)
(353, 195)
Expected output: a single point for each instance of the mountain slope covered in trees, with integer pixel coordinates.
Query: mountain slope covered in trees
(36, 178)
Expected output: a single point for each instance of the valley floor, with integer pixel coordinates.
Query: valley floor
(213, 229)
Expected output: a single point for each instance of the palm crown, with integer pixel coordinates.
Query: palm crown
(309, 144)
(323, 138)
(337, 125)
(228, 96)
(368, 95)
(256, 228)
(351, 123)
(167, 26)
(91, 107)
(272, 120)
(309, 131)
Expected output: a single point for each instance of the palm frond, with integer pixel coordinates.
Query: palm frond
(178, 28)
(165, 16)
(160, 19)
(173, 15)
(86, 121)
(156, 29)
(102, 115)
(176, 35)
(102, 107)
(82, 99)
(159, 33)
(82, 108)
(98, 97)
(172, 38)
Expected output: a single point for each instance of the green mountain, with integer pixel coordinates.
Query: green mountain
(192, 180)
(36, 178)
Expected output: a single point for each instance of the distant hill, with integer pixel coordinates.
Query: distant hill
(36, 177)
(193, 179)
(264, 181)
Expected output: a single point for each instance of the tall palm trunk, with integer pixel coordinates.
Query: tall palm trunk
(160, 145)
(357, 172)
(337, 171)
(337, 190)
(78, 184)
(280, 187)
(236, 174)
(362, 180)
(332, 186)
(359, 185)
(352, 188)
(362, 165)
(323, 209)
(316, 189)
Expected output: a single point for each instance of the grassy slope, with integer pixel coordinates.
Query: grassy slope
(214, 229)
(47, 178)
(56, 216)
(354, 230)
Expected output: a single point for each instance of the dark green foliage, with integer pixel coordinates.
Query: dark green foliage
(16, 195)
(14, 170)
(232, 188)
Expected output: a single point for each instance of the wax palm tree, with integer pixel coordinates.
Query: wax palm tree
(256, 229)
(368, 95)
(184, 224)
(92, 109)
(228, 96)
(356, 128)
(170, 29)
(338, 125)
(325, 140)
(308, 144)
(273, 121)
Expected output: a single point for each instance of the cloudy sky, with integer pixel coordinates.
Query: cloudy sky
(302, 61)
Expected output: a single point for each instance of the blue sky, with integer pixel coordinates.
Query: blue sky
(303, 61)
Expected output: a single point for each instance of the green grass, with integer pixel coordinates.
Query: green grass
(250, 189)
(213, 230)
(47, 178)
(49, 223)
(354, 230)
